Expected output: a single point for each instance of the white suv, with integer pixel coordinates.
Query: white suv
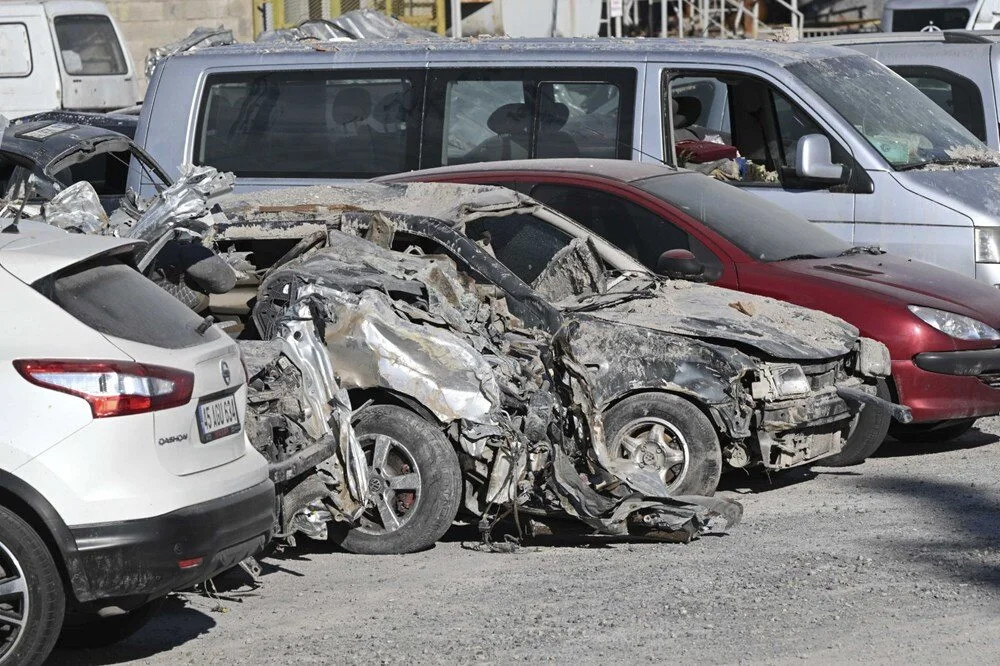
(125, 472)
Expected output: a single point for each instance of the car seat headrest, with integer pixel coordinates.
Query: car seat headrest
(351, 105)
(510, 119)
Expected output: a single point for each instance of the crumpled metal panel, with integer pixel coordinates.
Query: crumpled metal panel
(352, 25)
(373, 345)
(299, 418)
(187, 201)
(77, 208)
(201, 37)
(574, 271)
(329, 402)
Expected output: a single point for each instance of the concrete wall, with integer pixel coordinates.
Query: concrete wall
(149, 23)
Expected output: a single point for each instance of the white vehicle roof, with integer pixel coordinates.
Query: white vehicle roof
(39, 249)
(55, 7)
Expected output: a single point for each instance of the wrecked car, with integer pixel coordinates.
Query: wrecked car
(386, 476)
(45, 156)
(485, 340)
(698, 229)
(72, 176)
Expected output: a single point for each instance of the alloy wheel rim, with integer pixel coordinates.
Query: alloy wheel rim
(654, 443)
(394, 485)
(15, 602)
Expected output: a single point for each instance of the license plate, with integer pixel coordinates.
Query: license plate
(218, 418)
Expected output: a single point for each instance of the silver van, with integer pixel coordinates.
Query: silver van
(821, 130)
(955, 68)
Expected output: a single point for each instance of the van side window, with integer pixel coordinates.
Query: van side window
(737, 128)
(89, 45)
(15, 50)
(503, 114)
(309, 124)
(956, 94)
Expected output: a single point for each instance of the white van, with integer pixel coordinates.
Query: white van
(62, 54)
(937, 15)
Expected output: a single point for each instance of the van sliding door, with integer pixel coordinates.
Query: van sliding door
(29, 81)
(479, 114)
(744, 130)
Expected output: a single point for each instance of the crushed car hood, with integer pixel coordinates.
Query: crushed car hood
(775, 328)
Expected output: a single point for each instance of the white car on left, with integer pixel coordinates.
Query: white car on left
(125, 470)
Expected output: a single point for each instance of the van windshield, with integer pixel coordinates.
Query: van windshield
(89, 45)
(907, 128)
(760, 228)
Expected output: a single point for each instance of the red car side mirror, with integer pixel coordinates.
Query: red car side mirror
(680, 265)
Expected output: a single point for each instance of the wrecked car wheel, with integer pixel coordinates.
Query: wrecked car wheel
(867, 434)
(668, 434)
(414, 479)
(31, 594)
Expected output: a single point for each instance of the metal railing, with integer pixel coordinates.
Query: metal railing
(273, 14)
(707, 18)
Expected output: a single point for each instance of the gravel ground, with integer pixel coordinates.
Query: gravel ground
(896, 560)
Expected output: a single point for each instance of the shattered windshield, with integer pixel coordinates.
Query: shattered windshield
(575, 271)
(906, 127)
(763, 230)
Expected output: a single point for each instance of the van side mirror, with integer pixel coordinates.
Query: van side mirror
(680, 265)
(813, 160)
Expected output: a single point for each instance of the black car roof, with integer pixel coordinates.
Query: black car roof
(42, 142)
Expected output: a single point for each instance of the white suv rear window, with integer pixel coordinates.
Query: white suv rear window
(117, 300)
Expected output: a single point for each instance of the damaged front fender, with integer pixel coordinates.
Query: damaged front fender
(624, 359)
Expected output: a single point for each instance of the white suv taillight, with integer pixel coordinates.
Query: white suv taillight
(113, 388)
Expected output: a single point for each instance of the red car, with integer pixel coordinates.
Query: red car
(940, 327)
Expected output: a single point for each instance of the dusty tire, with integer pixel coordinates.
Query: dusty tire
(31, 583)
(414, 470)
(668, 433)
(868, 434)
(98, 632)
(940, 431)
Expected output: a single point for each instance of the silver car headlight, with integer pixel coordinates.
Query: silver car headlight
(988, 245)
(779, 380)
(955, 325)
(790, 380)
